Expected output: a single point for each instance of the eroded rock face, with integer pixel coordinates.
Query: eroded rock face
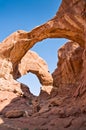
(31, 62)
(70, 65)
(6, 69)
(81, 90)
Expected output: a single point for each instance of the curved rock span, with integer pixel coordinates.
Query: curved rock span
(69, 23)
(31, 62)
(63, 98)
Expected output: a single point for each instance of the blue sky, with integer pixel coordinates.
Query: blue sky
(25, 15)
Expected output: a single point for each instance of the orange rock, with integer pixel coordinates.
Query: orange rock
(33, 63)
(70, 65)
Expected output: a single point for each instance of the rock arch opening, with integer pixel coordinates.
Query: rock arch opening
(40, 71)
(34, 64)
(48, 50)
(32, 82)
(63, 25)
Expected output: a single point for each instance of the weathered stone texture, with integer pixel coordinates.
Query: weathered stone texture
(70, 65)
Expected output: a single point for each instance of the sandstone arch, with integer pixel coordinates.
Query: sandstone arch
(69, 22)
(60, 107)
(31, 62)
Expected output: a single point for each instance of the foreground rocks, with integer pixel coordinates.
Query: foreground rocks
(62, 101)
(38, 113)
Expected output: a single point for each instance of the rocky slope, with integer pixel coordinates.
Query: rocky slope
(61, 104)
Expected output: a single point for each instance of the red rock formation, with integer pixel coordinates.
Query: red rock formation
(70, 65)
(31, 62)
(58, 109)
(69, 22)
